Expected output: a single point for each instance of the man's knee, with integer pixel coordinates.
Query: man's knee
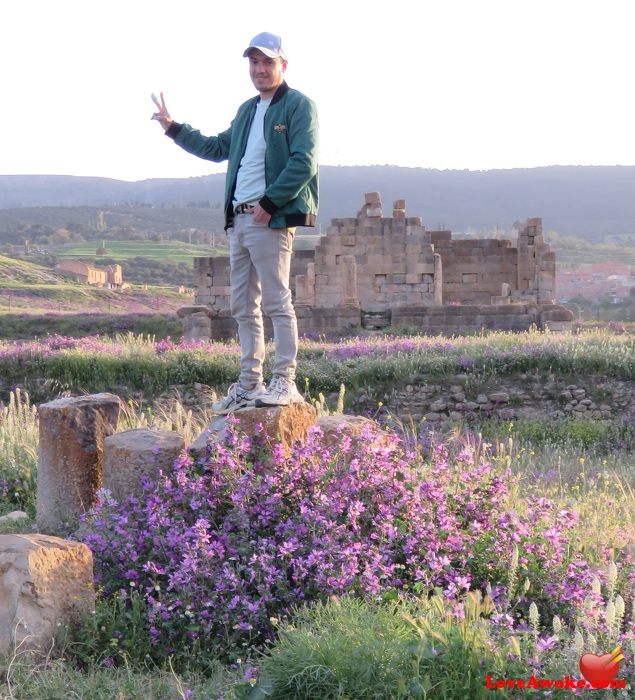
(242, 312)
(279, 307)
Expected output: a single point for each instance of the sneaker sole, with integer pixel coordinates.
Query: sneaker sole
(231, 409)
(259, 403)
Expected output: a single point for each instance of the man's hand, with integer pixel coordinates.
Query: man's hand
(163, 116)
(260, 215)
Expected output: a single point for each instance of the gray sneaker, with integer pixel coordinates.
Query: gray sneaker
(237, 397)
(281, 392)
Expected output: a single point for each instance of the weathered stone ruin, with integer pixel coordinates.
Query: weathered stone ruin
(72, 434)
(373, 271)
(44, 582)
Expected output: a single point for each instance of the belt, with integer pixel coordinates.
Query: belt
(243, 208)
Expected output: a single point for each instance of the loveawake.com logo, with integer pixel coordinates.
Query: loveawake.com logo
(597, 671)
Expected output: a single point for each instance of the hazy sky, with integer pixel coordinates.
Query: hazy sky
(459, 84)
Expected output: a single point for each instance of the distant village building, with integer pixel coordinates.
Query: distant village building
(111, 276)
(595, 282)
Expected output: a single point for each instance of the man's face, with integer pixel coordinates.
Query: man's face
(266, 73)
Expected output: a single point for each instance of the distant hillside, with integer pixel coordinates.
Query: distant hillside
(119, 220)
(591, 202)
(27, 288)
(19, 272)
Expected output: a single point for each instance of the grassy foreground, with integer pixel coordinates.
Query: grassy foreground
(432, 569)
(132, 363)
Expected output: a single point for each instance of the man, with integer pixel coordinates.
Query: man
(271, 187)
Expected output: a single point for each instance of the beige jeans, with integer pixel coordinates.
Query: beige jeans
(260, 262)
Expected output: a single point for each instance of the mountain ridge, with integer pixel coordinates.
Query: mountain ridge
(591, 202)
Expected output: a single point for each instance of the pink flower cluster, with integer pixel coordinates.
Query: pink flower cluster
(222, 546)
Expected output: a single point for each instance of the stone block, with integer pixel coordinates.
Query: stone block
(332, 271)
(557, 326)
(44, 582)
(556, 313)
(191, 309)
(437, 237)
(379, 259)
(328, 242)
(13, 516)
(72, 434)
(197, 327)
(328, 300)
(218, 290)
(336, 426)
(423, 268)
(132, 454)
(399, 258)
(286, 425)
(372, 198)
(382, 269)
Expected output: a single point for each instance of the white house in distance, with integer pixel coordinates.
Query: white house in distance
(110, 277)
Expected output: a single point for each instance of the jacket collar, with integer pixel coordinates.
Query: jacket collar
(282, 90)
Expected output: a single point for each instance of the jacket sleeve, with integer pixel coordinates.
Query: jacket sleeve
(302, 165)
(215, 148)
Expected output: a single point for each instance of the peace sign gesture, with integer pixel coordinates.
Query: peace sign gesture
(162, 116)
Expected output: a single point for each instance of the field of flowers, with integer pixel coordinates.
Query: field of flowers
(131, 362)
(404, 563)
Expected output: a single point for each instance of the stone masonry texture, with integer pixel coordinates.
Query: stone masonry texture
(373, 271)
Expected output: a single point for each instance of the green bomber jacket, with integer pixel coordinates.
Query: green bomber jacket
(291, 156)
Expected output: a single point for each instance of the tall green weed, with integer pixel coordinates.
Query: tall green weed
(19, 437)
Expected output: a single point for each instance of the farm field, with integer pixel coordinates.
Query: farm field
(176, 251)
(428, 559)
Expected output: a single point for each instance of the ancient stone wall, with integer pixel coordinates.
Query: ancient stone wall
(474, 270)
(375, 271)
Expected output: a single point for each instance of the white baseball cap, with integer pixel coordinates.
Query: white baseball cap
(269, 44)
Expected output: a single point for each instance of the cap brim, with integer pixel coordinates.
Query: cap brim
(267, 52)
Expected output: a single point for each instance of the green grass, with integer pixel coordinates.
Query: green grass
(176, 251)
(376, 365)
(51, 679)
(77, 325)
(347, 650)
(20, 272)
(71, 300)
(350, 649)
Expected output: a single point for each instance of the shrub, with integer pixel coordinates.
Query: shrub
(221, 546)
(353, 649)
